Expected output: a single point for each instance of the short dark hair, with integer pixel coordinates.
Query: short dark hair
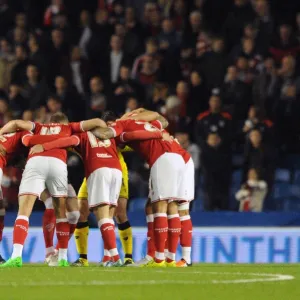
(59, 117)
(109, 116)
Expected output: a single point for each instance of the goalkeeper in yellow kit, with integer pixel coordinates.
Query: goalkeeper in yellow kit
(125, 231)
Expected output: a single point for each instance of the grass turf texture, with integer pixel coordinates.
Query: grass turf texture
(247, 282)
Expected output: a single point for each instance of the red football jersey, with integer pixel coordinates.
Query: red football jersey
(61, 130)
(12, 142)
(150, 150)
(186, 156)
(97, 153)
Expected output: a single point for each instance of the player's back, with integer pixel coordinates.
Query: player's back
(151, 149)
(97, 153)
(12, 144)
(61, 130)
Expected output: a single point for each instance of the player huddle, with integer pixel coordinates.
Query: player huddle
(105, 188)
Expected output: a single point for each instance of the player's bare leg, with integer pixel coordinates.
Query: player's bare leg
(160, 231)
(186, 235)
(125, 230)
(104, 214)
(62, 229)
(2, 215)
(174, 229)
(81, 234)
(20, 232)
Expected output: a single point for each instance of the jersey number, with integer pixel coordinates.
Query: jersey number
(50, 130)
(94, 142)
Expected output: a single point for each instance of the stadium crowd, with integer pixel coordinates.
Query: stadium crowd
(224, 73)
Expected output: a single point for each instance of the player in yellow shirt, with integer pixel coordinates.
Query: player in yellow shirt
(125, 230)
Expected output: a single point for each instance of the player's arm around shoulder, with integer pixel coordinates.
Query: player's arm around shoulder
(92, 124)
(15, 125)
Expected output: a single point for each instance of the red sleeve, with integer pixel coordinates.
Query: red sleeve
(140, 135)
(157, 124)
(76, 127)
(117, 127)
(36, 127)
(62, 143)
(31, 140)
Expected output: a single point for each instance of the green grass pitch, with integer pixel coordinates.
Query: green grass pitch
(205, 282)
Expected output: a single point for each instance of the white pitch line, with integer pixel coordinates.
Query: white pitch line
(271, 278)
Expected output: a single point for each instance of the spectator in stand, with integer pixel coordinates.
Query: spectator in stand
(56, 7)
(154, 19)
(191, 33)
(18, 72)
(35, 89)
(36, 55)
(6, 17)
(17, 102)
(265, 87)
(263, 23)
(131, 43)
(260, 155)
(216, 166)
(151, 49)
(214, 63)
(257, 121)
(117, 12)
(239, 15)
(192, 148)
(236, 95)
(285, 43)
(131, 104)
(21, 23)
(58, 53)
(178, 13)
(54, 105)
(19, 36)
(149, 71)
(4, 112)
(246, 49)
(7, 62)
(27, 115)
(84, 32)
(124, 88)
(77, 71)
(96, 101)
(215, 120)
(198, 98)
(171, 110)
(168, 39)
(159, 96)
(245, 73)
(112, 63)
(132, 24)
(252, 193)
(71, 103)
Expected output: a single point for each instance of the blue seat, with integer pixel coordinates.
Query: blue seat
(295, 191)
(137, 204)
(291, 204)
(282, 190)
(237, 176)
(297, 177)
(282, 175)
(197, 204)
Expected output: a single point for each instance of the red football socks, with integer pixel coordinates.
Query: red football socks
(160, 235)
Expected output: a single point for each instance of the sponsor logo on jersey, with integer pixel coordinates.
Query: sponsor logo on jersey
(103, 155)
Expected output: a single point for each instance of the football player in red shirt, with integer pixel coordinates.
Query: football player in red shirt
(47, 169)
(188, 186)
(104, 178)
(166, 175)
(10, 146)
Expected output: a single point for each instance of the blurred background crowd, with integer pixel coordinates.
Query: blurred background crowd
(225, 73)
